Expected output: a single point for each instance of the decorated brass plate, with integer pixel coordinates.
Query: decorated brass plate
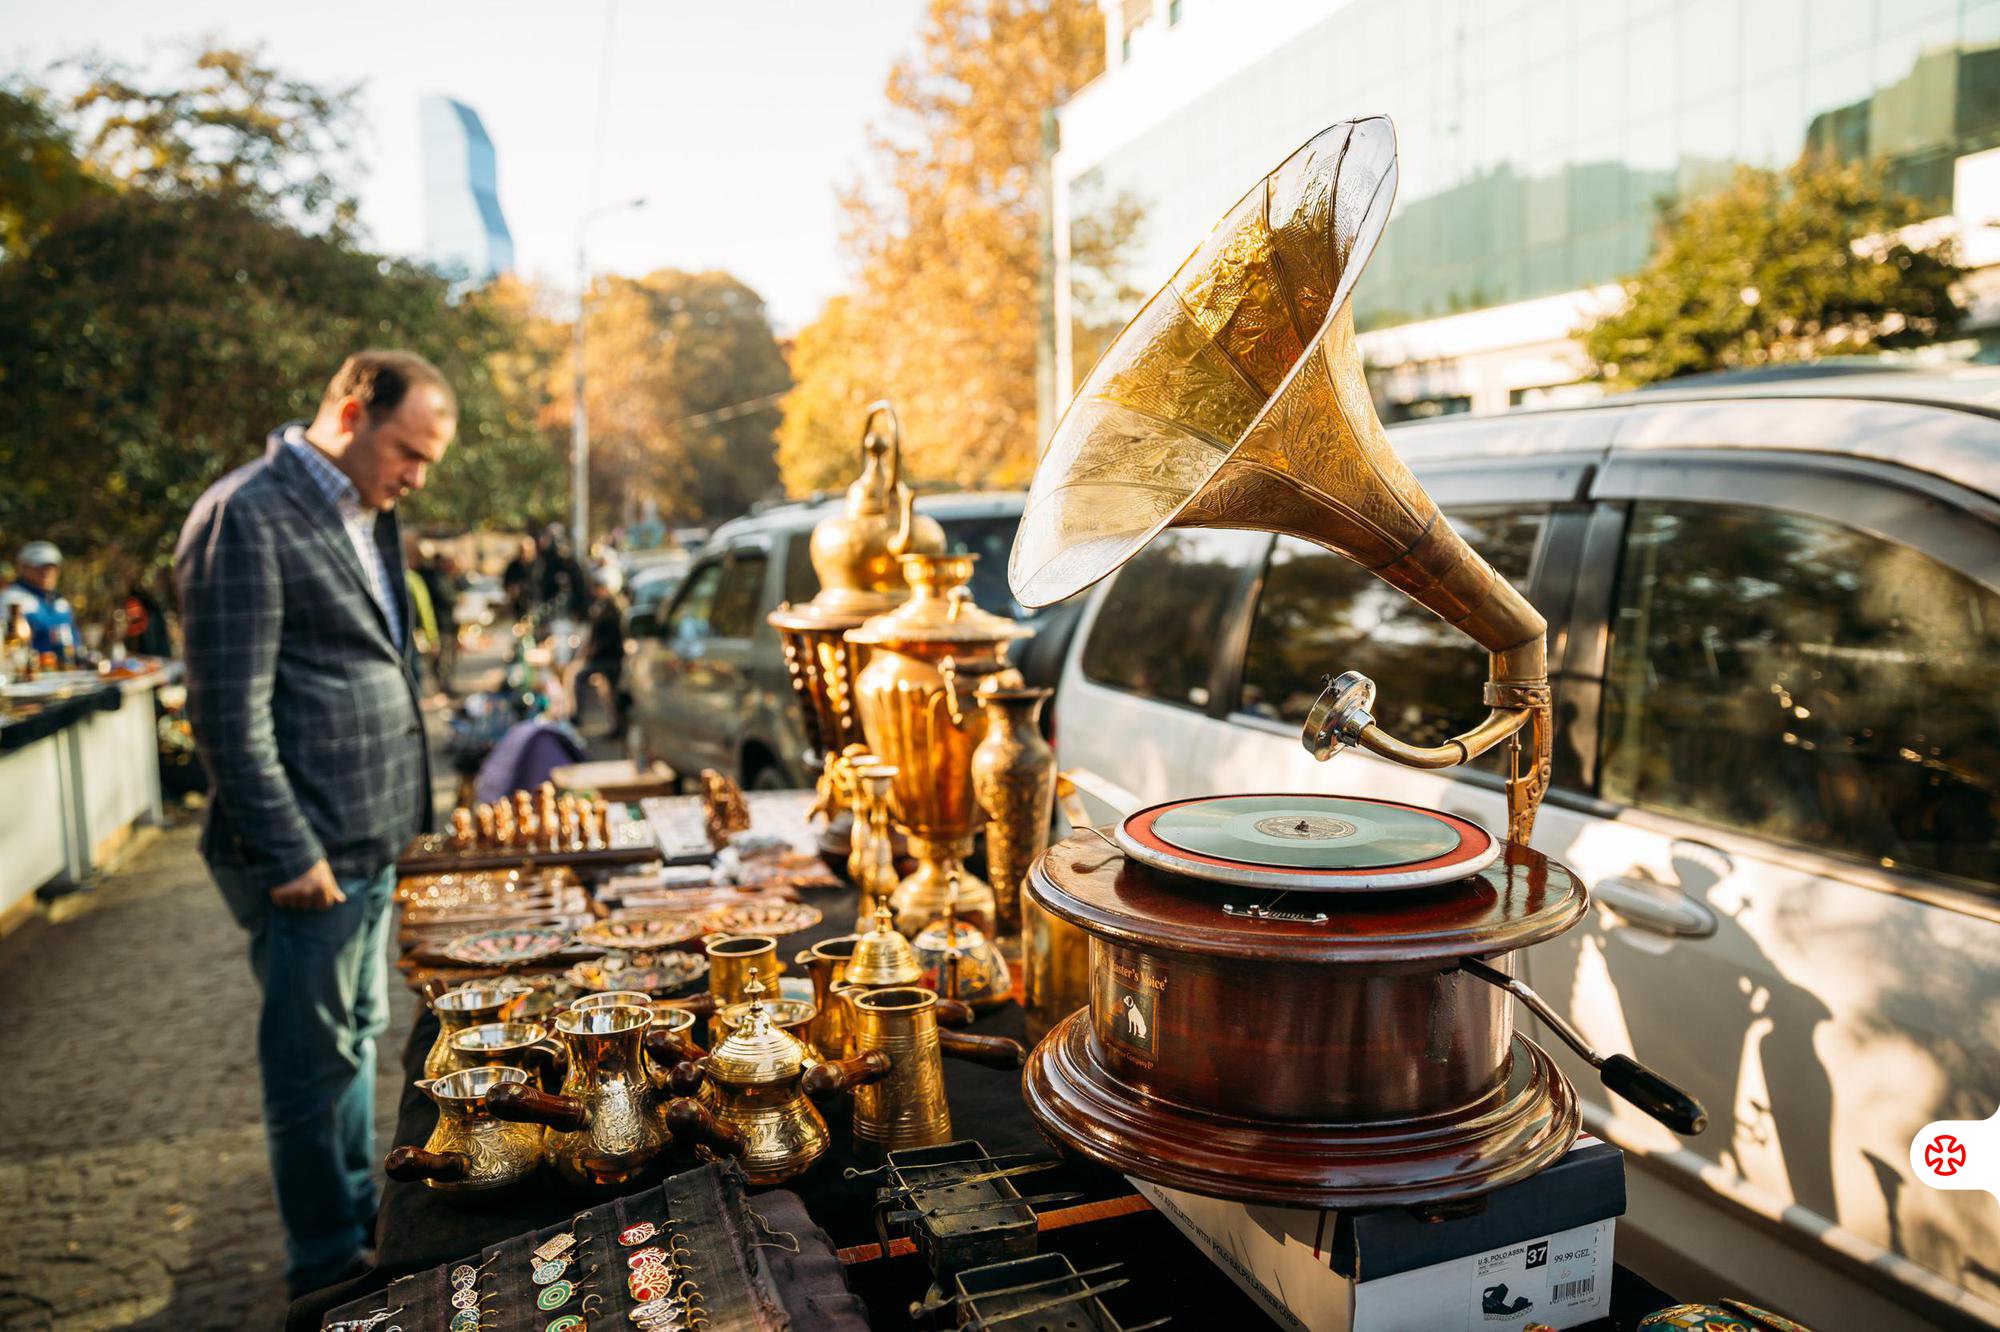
(505, 948)
(655, 975)
(776, 918)
(643, 934)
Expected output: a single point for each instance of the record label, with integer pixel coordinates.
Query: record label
(1307, 832)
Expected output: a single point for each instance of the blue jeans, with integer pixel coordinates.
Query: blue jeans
(326, 998)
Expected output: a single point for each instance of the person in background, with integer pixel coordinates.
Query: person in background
(51, 621)
(146, 632)
(518, 580)
(423, 618)
(601, 669)
(441, 582)
(302, 696)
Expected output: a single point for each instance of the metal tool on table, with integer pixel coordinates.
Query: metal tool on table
(608, 1125)
(1045, 1287)
(1281, 1008)
(957, 1203)
(470, 1150)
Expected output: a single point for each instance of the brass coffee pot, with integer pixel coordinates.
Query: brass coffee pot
(929, 658)
(470, 1150)
(609, 1121)
(744, 1100)
(826, 962)
(871, 859)
(897, 1075)
(854, 553)
(466, 1006)
(668, 1041)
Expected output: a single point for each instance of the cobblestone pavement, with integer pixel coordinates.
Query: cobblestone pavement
(133, 1184)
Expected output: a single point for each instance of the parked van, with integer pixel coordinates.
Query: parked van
(1774, 627)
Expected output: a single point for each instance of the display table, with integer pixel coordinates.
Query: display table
(78, 773)
(419, 1228)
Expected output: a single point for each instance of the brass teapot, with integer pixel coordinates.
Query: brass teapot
(470, 1150)
(466, 1006)
(744, 1100)
(609, 1122)
(897, 1074)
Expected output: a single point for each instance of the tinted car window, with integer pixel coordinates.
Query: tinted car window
(689, 623)
(1320, 614)
(1156, 633)
(989, 538)
(801, 582)
(1804, 681)
(737, 601)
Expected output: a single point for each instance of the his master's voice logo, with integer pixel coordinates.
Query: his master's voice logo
(1958, 1154)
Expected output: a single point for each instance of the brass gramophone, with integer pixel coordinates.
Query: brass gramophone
(1300, 998)
(917, 697)
(854, 553)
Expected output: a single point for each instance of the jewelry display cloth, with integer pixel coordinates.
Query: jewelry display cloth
(759, 1265)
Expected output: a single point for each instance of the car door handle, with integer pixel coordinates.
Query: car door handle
(1645, 907)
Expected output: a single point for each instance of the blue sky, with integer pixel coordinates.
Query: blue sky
(737, 121)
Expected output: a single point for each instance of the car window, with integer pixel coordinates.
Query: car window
(801, 579)
(1156, 633)
(1320, 614)
(992, 540)
(688, 625)
(1804, 681)
(738, 599)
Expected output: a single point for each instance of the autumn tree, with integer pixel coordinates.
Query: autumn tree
(684, 380)
(1820, 259)
(946, 313)
(163, 319)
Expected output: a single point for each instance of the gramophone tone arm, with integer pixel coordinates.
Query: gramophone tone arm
(1344, 716)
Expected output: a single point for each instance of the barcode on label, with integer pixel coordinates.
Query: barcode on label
(1570, 1290)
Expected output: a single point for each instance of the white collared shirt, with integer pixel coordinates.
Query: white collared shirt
(359, 521)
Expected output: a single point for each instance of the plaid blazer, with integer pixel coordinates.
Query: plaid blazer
(303, 707)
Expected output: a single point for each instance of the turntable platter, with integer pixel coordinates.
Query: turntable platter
(1307, 842)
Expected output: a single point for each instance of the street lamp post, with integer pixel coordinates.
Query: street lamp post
(579, 423)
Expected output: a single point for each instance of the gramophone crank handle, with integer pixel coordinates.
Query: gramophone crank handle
(692, 1119)
(410, 1164)
(840, 1075)
(1620, 1073)
(992, 1051)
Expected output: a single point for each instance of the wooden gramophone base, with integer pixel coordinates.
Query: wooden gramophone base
(1525, 1125)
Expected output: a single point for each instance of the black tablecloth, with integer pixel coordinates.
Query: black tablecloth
(420, 1228)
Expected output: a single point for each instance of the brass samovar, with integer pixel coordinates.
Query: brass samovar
(854, 553)
(918, 700)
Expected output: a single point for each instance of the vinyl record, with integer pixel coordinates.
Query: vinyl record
(1299, 841)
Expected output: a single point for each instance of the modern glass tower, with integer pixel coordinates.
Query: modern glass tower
(465, 234)
(1536, 137)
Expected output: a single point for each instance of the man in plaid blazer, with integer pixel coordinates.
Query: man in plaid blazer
(303, 698)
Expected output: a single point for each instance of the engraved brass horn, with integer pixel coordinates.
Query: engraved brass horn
(1236, 398)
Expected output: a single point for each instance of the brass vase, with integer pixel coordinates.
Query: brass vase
(917, 699)
(854, 553)
(873, 866)
(1014, 778)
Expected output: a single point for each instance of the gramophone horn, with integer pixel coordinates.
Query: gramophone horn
(1236, 398)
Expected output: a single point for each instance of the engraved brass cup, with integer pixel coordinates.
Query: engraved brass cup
(510, 1045)
(749, 1105)
(916, 696)
(731, 957)
(609, 1123)
(667, 1042)
(467, 1006)
(897, 1073)
(469, 1150)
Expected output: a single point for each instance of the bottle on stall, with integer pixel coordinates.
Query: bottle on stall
(20, 647)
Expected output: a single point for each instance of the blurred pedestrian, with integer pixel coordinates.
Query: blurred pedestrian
(51, 621)
(303, 699)
(601, 670)
(441, 582)
(518, 580)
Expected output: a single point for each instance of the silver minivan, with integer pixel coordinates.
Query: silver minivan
(1774, 620)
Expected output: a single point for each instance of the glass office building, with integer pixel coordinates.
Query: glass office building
(465, 233)
(1536, 138)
